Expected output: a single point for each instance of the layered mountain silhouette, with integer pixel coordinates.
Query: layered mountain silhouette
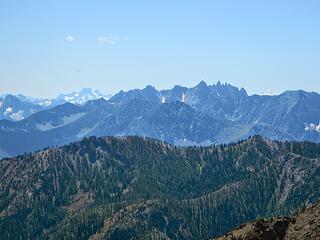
(200, 115)
(140, 188)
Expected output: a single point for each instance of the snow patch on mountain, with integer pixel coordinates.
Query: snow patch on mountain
(183, 98)
(45, 103)
(9, 110)
(15, 116)
(312, 127)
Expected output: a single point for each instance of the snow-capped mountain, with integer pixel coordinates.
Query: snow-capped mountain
(18, 107)
(81, 97)
(12, 108)
(200, 115)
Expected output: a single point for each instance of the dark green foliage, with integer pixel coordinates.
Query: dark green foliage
(138, 188)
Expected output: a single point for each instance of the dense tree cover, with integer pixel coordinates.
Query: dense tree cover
(138, 188)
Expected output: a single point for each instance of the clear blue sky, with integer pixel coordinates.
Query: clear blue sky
(47, 48)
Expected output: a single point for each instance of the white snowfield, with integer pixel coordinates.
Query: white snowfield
(313, 127)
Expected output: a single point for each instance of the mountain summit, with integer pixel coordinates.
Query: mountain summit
(81, 97)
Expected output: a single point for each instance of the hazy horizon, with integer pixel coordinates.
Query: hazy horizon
(267, 92)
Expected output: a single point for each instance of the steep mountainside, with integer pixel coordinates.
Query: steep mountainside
(292, 115)
(218, 101)
(173, 122)
(292, 112)
(305, 225)
(139, 188)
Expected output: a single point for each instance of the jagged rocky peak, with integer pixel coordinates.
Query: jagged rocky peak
(178, 89)
(179, 93)
(229, 90)
(99, 101)
(150, 88)
(202, 84)
(150, 91)
(10, 99)
(243, 91)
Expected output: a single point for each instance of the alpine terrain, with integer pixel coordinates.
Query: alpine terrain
(200, 115)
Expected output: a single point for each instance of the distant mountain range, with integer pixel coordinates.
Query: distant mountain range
(200, 115)
(116, 188)
(18, 107)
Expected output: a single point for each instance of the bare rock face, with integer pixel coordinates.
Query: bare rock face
(305, 225)
(263, 229)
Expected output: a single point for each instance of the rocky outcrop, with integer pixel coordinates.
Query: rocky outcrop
(305, 225)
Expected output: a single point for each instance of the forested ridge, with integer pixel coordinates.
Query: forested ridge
(140, 188)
